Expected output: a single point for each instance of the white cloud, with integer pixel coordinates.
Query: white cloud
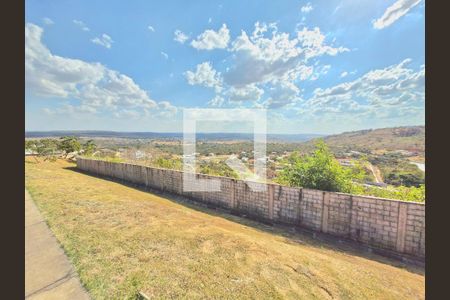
(48, 21)
(259, 59)
(265, 58)
(245, 93)
(105, 41)
(306, 8)
(394, 12)
(209, 20)
(166, 109)
(96, 87)
(165, 55)
(313, 44)
(217, 101)
(345, 73)
(81, 25)
(180, 37)
(211, 39)
(205, 75)
(320, 71)
(389, 90)
(151, 28)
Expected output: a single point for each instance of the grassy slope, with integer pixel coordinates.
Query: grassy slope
(122, 240)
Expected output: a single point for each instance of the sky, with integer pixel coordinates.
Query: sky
(324, 66)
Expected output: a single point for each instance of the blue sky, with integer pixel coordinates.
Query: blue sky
(317, 66)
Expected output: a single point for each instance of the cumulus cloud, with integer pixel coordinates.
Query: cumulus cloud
(81, 25)
(95, 86)
(211, 39)
(205, 75)
(151, 28)
(245, 93)
(393, 89)
(260, 59)
(267, 57)
(180, 37)
(48, 21)
(306, 8)
(394, 12)
(105, 41)
(264, 58)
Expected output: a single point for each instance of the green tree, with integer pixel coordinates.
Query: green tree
(30, 144)
(69, 144)
(46, 148)
(89, 147)
(320, 170)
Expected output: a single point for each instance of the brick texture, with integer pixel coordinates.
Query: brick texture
(389, 224)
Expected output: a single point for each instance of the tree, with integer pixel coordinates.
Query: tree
(320, 170)
(89, 147)
(69, 144)
(30, 145)
(46, 148)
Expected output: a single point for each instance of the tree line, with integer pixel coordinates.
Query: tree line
(51, 149)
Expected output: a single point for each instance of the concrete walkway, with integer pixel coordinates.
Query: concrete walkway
(48, 272)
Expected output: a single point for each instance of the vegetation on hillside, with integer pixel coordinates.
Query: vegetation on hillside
(397, 170)
(51, 149)
(320, 170)
(398, 138)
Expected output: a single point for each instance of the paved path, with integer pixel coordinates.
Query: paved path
(48, 272)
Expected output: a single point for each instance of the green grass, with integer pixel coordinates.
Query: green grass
(122, 240)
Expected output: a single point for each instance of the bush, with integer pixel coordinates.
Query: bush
(404, 193)
(320, 170)
(168, 163)
(217, 169)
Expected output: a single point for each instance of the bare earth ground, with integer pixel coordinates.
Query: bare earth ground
(123, 240)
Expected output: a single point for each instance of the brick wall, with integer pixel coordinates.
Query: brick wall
(383, 223)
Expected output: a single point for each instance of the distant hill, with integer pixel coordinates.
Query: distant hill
(411, 138)
(169, 135)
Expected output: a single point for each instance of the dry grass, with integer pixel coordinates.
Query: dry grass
(123, 240)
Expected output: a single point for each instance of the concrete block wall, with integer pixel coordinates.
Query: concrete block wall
(382, 223)
(286, 204)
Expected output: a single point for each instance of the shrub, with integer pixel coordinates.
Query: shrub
(320, 170)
